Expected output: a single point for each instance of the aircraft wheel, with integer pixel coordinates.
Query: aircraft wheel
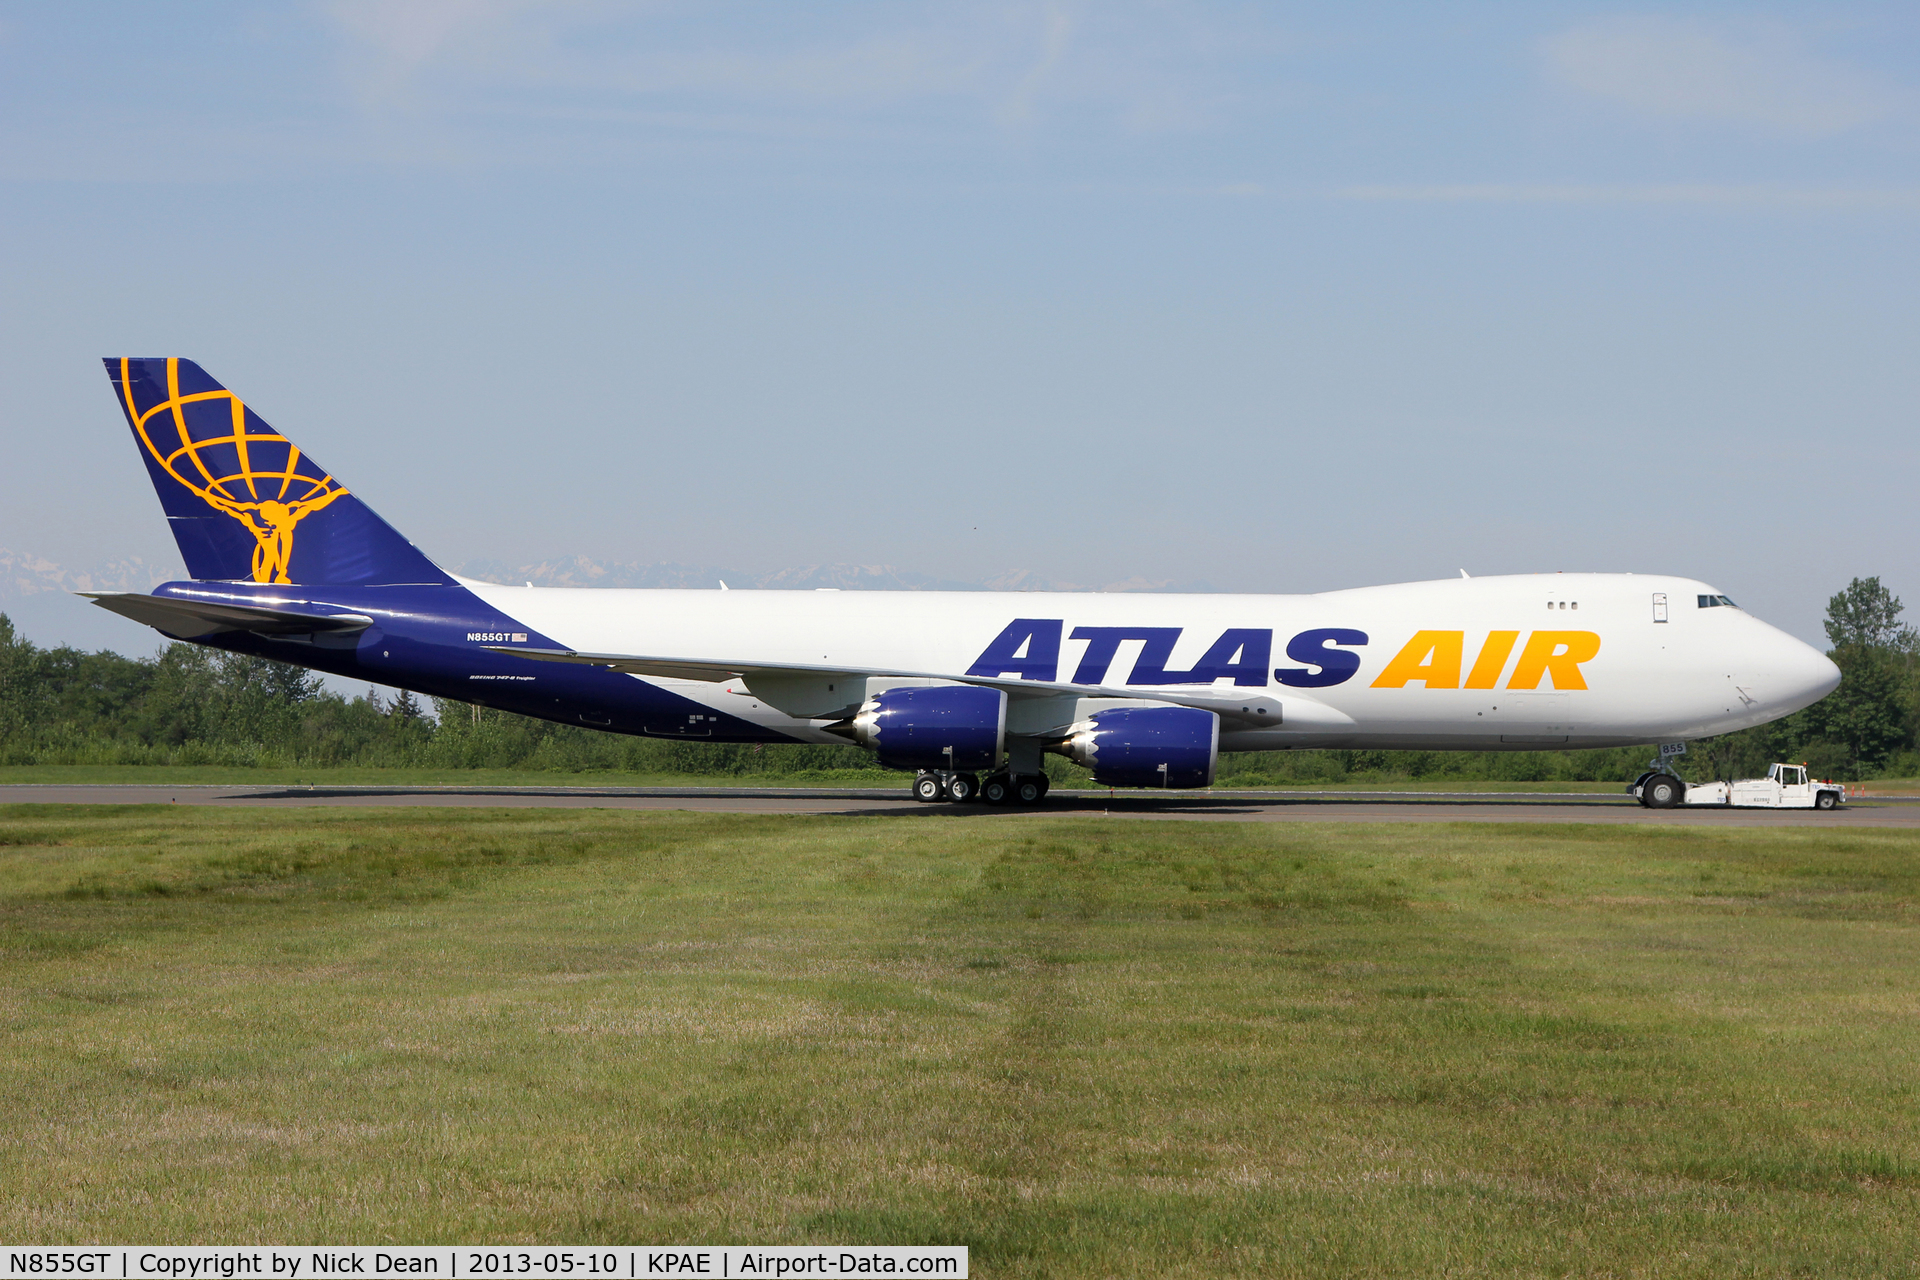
(1046, 785)
(1825, 800)
(926, 788)
(1028, 790)
(997, 789)
(1663, 792)
(962, 787)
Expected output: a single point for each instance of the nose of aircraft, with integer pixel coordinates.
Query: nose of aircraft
(1802, 675)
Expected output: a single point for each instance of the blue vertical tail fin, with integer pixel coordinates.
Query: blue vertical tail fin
(245, 503)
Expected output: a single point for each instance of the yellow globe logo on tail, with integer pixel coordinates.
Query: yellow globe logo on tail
(257, 476)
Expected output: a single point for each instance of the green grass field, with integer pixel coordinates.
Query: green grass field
(1084, 1046)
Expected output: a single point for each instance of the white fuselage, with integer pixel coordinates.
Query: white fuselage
(1443, 664)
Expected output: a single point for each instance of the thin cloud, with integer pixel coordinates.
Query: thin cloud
(395, 43)
(1896, 198)
(1753, 74)
(469, 48)
(1146, 68)
(1059, 29)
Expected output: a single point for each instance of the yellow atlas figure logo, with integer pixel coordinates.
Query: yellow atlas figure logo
(256, 477)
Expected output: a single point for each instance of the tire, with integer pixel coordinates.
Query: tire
(927, 788)
(1825, 800)
(962, 788)
(1028, 790)
(1046, 785)
(996, 790)
(1663, 792)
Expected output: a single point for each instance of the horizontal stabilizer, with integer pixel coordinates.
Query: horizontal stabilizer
(188, 619)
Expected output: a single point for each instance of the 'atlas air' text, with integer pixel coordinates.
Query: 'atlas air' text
(1029, 649)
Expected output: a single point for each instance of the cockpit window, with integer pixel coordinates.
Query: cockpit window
(1716, 602)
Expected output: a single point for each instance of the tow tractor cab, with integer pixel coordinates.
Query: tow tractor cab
(1786, 786)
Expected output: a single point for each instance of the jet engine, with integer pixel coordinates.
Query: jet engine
(962, 728)
(1147, 746)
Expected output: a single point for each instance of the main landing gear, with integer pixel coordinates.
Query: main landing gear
(1014, 788)
(931, 787)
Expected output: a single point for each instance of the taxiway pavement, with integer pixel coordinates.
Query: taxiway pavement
(1215, 806)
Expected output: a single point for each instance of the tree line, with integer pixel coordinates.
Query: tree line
(189, 705)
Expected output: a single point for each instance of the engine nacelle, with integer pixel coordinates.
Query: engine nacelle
(958, 727)
(1148, 746)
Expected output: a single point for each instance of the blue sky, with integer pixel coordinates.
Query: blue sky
(1275, 297)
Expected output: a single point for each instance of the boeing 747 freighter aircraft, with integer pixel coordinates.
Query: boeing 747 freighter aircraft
(964, 689)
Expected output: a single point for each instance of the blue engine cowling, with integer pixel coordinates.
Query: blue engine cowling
(1149, 746)
(958, 727)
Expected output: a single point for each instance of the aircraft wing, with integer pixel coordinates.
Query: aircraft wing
(674, 668)
(187, 618)
(1253, 711)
